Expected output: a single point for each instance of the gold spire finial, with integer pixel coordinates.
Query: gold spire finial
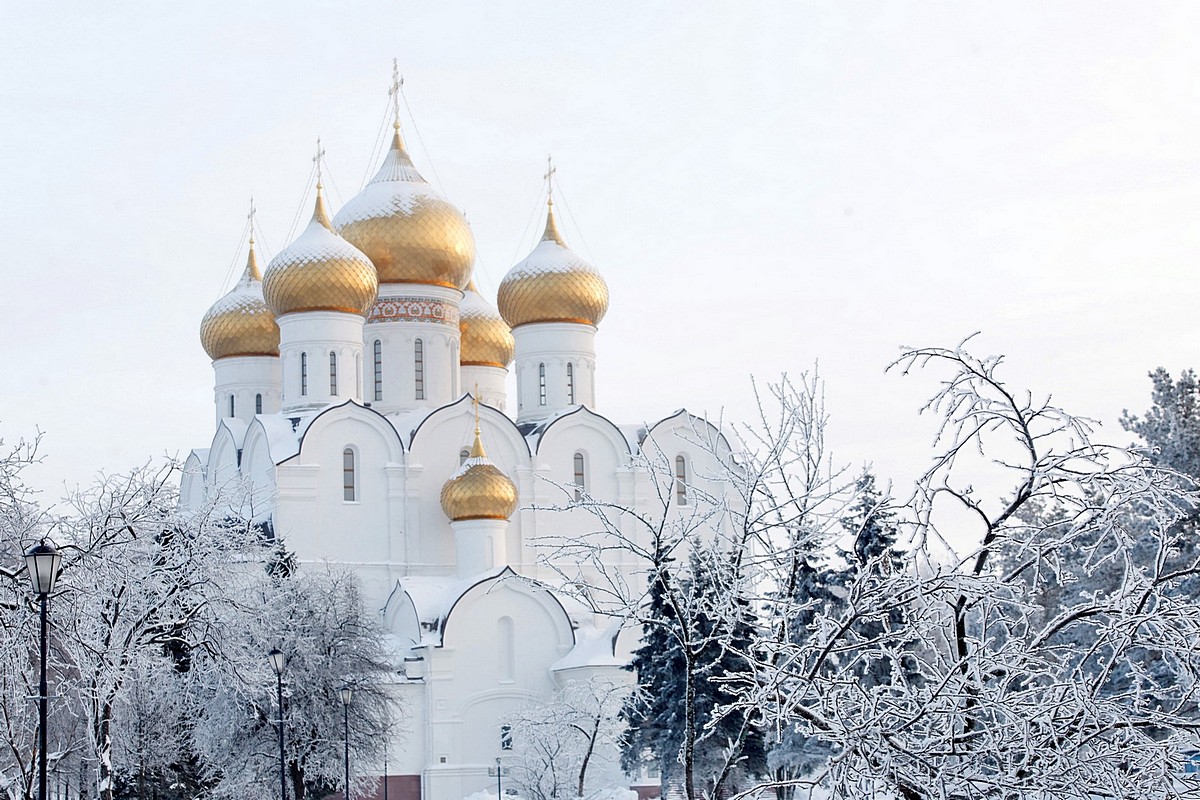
(477, 448)
(394, 92)
(252, 270)
(551, 233)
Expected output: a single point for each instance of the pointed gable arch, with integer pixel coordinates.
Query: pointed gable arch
(363, 419)
(506, 594)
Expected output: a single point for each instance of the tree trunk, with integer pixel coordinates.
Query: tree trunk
(297, 776)
(689, 725)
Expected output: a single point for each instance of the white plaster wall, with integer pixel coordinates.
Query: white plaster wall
(367, 533)
(440, 339)
(317, 333)
(244, 377)
(554, 344)
(492, 384)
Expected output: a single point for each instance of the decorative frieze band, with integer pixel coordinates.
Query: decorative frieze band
(414, 309)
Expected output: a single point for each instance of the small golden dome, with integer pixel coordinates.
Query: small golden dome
(408, 231)
(487, 340)
(479, 490)
(320, 271)
(240, 324)
(552, 284)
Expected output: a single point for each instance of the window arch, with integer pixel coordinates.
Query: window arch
(303, 374)
(349, 476)
(580, 476)
(258, 404)
(332, 373)
(681, 498)
(377, 356)
(231, 405)
(570, 383)
(541, 384)
(508, 651)
(419, 368)
(463, 455)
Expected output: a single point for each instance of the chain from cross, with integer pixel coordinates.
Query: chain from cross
(550, 170)
(394, 92)
(317, 160)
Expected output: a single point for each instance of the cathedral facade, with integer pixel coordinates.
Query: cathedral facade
(362, 404)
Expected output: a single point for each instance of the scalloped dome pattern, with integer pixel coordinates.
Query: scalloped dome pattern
(240, 324)
(486, 338)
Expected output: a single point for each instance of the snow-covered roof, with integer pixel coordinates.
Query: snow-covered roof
(594, 647)
(283, 436)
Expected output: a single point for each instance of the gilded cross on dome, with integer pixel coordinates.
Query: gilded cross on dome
(394, 92)
(317, 160)
(250, 220)
(550, 170)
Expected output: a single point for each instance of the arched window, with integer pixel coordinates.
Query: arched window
(349, 488)
(231, 405)
(304, 374)
(378, 362)
(332, 373)
(680, 481)
(419, 368)
(541, 384)
(570, 384)
(580, 477)
(258, 404)
(463, 455)
(508, 649)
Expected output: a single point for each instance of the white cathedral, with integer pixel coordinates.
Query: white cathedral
(360, 392)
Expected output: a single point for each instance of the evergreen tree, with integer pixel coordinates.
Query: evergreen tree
(697, 633)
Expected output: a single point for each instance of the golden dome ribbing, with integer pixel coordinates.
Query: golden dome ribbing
(479, 490)
(410, 233)
(552, 284)
(240, 324)
(486, 338)
(320, 271)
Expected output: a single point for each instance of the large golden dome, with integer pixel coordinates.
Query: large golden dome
(552, 284)
(240, 324)
(408, 231)
(320, 271)
(479, 490)
(487, 340)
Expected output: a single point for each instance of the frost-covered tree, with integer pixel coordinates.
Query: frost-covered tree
(564, 747)
(996, 700)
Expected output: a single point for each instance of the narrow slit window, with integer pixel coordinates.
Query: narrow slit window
(231, 405)
(304, 374)
(570, 384)
(378, 356)
(349, 489)
(506, 737)
(258, 404)
(680, 481)
(541, 384)
(463, 455)
(419, 368)
(332, 374)
(580, 477)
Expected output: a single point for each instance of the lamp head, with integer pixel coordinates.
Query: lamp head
(278, 660)
(347, 694)
(43, 561)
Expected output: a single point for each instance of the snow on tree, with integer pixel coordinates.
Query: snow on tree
(995, 700)
(566, 746)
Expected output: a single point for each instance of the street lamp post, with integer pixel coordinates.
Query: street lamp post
(346, 693)
(498, 771)
(43, 561)
(278, 661)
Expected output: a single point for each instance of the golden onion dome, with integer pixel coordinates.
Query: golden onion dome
(552, 284)
(320, 271)
(240, 324)
(409, 232)
(479, 490)
(487, 340)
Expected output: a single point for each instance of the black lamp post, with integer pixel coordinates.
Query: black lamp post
(347, 694)
(278, 661)
(43, 561)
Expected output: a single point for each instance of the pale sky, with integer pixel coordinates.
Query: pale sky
(764, 187)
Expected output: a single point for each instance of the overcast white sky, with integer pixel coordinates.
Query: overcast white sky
(764, 186)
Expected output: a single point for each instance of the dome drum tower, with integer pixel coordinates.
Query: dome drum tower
(423, 251)
(553, 300)
(240, 335)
